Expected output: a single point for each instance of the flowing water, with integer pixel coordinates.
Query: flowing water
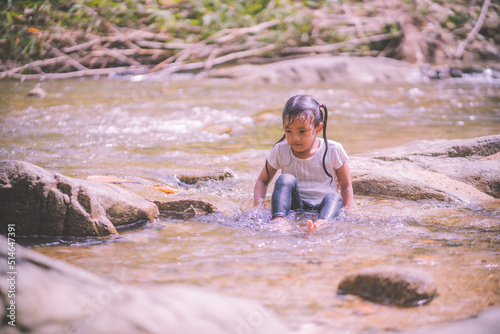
(149, 130)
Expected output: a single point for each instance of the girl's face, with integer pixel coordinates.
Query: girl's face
(301, 136)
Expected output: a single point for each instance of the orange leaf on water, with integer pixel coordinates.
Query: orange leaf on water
(165, 188)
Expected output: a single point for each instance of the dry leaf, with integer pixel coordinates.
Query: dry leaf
(165, 188)
(33, 30)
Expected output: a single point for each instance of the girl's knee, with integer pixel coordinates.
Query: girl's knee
(331, 206)
(334, 198)
(286, 179)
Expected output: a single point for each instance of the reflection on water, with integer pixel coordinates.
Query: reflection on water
(145, 130)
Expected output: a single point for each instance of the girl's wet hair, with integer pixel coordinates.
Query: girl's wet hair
(307, 108)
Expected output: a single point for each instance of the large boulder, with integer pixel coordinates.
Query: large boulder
(51, 296)
(447, 170)
(324, 69)
(40, 202)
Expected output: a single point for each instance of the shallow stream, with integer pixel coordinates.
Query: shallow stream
(149, 130)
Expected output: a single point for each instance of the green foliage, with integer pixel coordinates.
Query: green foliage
(456, 21)
(25, 24)
(19, 27)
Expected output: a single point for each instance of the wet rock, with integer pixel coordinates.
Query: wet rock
(198, 176)
(36, 92)
(390, 285)
(184, 208)
(55, 297)
(324, 69)
(40, 202)
(446, 170)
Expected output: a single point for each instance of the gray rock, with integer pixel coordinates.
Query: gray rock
(390, 285)
(54, 297)
(324, 69)
(40, 202)
(446, 170)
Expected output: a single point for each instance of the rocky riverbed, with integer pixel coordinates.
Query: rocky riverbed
(40, 202)
(34, 199)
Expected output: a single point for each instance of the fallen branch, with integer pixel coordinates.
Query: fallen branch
(59, 53)
(37, 63)
(175, 67)
(179, 57)
(163, 45)
(78, 74)
(482, 16)
(336, 46)
(244, 54)
(84, 45)
(134, 36)
(122, 57)
(230, 34)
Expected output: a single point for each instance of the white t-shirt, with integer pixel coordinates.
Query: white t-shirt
(313, 182)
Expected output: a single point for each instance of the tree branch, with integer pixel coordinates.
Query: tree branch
(77, 74)
(336, 46)
(461, 47)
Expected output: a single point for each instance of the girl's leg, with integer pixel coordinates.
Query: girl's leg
(329, 208)
(285, 196)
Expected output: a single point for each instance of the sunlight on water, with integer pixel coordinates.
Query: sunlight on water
(295, 273)
(149, 130)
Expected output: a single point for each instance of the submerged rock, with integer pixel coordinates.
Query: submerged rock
(198, 176)
(40, 202)
(390, 285)
(184, 208)
(36, 92)
(55, 297)
(446, 170)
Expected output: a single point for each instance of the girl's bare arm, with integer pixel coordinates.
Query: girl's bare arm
(260, 189)
(344, 178)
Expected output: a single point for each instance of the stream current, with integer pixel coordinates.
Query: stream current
(149, 130)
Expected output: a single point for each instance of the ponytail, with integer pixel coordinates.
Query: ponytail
(324, 116)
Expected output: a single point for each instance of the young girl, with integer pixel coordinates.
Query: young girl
(311, 167)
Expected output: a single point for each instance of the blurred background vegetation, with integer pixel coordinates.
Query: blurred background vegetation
(156, 33)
